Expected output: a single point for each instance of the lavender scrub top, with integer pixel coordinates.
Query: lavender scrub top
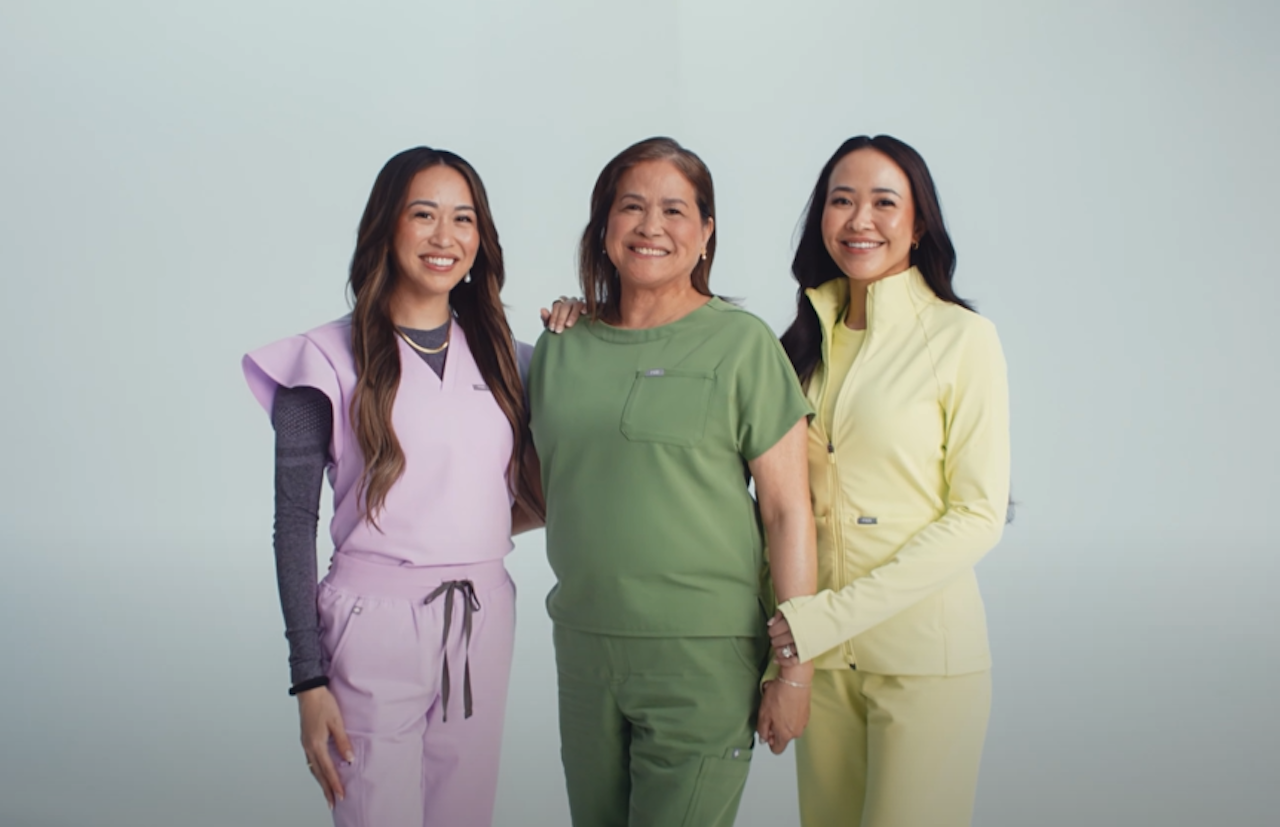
(452, 505)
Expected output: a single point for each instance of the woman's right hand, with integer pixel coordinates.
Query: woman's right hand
(784, 714)
(563, 313)
(321, 721)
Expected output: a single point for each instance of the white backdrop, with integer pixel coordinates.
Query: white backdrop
(181, 183)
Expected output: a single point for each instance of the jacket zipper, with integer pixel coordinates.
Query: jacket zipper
(837, 527)
(836, 493)
(837, 519)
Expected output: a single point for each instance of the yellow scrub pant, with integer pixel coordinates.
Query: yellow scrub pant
(892, 751)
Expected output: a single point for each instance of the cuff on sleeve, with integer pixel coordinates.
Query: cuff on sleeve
(311, 683)
(801, 625)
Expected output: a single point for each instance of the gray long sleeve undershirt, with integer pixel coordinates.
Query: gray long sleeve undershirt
(303, 422)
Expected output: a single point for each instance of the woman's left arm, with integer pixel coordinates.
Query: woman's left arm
(976, 468)
(781, 475)
(782, 487)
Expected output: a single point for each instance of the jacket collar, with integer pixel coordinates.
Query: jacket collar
(890, 300)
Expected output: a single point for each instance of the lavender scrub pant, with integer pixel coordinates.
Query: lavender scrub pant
(422, 705)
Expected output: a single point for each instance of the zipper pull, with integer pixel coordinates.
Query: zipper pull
(831, 452)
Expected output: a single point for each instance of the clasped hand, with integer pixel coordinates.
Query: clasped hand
(784, 709)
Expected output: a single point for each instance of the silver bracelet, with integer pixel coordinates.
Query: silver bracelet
(793, 683)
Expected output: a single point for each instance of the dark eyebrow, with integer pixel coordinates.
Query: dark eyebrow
(877, 189)
(427, 203)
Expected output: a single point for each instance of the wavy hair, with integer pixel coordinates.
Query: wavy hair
(477, 306)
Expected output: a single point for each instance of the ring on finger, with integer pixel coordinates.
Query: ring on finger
(786, 651)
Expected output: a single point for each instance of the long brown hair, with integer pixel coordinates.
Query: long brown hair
(597, 273)
(476, 304)
(813, 265)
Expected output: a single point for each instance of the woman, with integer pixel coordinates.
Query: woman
(645, 420)
(909, 468)
(415, 404)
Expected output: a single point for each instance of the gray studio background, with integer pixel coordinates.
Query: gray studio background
(181, 183)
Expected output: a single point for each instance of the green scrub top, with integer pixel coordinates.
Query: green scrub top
(643, 437)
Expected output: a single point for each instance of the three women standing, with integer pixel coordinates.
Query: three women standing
(414, 404)
(649, 421)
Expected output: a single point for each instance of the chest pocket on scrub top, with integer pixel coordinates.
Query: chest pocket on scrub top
(668, 406)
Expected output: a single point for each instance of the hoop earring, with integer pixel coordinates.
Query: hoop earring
(915, 245)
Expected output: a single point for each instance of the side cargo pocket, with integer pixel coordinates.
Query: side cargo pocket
(338, 613)
(718, 789)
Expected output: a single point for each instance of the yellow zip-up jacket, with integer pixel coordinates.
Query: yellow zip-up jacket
(910, 489)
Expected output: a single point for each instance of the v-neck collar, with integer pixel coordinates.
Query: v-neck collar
(457, 351)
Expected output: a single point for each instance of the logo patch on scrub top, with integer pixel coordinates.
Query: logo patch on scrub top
(655, 372)
(480, 387)
(866, 521)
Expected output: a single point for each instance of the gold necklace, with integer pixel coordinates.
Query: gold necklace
(420, 348)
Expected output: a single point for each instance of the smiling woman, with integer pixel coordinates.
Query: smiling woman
(644, 419)
(656, 233)
(909, 469)
(415, 403)
(436, 243)
(652, 223)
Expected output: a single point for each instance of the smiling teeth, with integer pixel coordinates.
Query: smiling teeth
(649, 251)
(862, 245)
(441, 262)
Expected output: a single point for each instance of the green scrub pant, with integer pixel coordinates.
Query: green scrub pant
(656, 732)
